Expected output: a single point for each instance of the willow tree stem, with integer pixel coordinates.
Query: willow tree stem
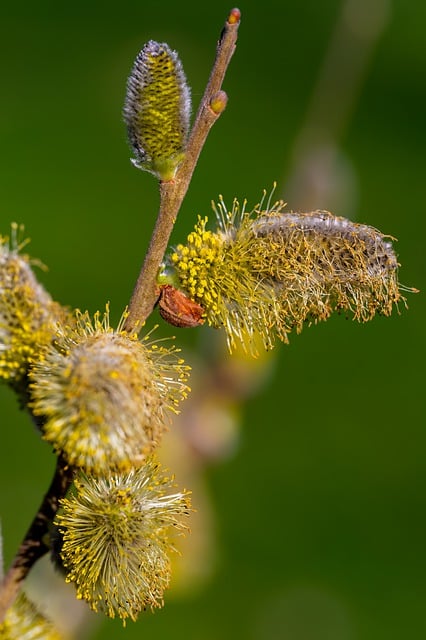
(173, 192)
(34, 544)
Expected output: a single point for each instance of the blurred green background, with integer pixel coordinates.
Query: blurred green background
(320, 512)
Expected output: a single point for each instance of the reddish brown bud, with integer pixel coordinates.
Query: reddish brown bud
(234, 16)
(178, 310)
(218, 102)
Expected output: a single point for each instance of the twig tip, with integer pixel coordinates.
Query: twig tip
(234, 16)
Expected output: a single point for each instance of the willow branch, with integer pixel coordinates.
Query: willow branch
(173, 192)
(34, 545)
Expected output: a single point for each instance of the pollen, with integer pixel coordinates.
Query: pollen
(28, 314)
(266, 273)
(24, 622)
(117, 538)
(196, 261)
(104, 396)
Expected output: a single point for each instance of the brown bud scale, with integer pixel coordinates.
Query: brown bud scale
(177, 309)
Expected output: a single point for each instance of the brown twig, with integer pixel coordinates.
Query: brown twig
(34, 545)
(172, 193)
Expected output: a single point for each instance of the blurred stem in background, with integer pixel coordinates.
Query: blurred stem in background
(320, 175)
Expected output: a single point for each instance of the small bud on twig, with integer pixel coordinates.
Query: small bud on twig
(234, 16)
(218, 102)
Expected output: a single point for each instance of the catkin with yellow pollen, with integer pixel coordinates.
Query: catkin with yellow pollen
(28, 315)
(102, 395)
(265, 273)
(322, 263)
(116, 537)
(24, 622)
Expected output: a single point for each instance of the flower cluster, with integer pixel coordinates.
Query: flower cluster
(102, 398)
(24, 622)
(28, 314)
(116, 537)
(268, 272)
(103, 394)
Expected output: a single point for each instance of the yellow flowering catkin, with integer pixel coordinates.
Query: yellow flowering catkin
(102, 395)
(27, 312)
(268, 272)
(116, 535)
(24, 622)
(157, 110)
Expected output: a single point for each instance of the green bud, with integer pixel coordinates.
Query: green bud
(157, 110)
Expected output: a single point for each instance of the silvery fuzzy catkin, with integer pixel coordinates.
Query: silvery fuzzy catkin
(268, 272)
(157, 110)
